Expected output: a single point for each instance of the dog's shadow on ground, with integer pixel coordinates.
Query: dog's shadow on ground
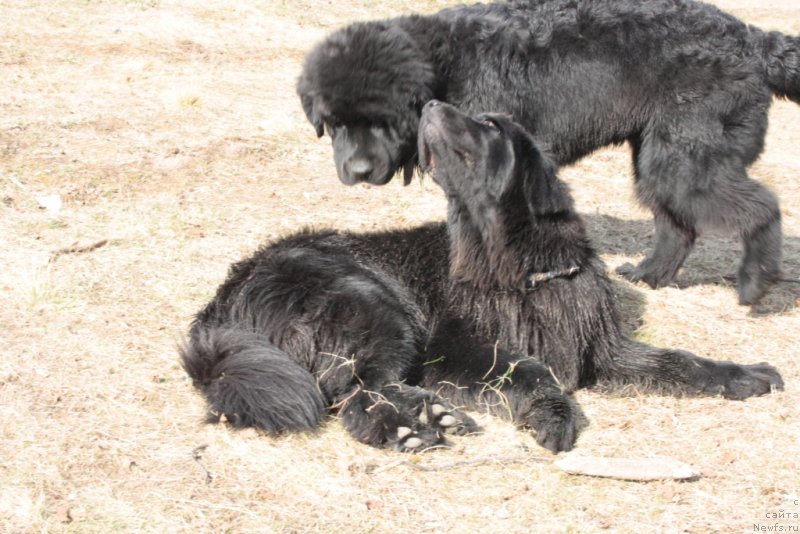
(713, 261)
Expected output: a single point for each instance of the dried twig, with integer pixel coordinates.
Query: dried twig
(197, 456)
(381, 400)
(466, 463)
(494, 360)
(496, 386)
(78, 249)
(345, 362)
(337, 405)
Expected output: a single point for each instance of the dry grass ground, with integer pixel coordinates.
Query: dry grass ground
(171, 132)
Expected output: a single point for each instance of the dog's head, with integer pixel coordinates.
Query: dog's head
(365, 86)
(488, 159)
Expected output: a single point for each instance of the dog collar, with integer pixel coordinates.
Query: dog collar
(533, 279)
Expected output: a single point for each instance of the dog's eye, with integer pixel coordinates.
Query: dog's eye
(491, 123)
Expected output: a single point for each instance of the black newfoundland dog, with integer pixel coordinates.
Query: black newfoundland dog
(504, 309)
(686, 85)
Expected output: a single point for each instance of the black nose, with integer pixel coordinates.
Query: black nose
(359, 169)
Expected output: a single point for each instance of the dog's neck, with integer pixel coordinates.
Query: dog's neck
(492, 255)
(508, 250)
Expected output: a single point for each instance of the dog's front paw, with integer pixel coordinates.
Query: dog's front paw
(745, 381)
(555, 423)
(636, 273)
(630, 272)
(653, 274)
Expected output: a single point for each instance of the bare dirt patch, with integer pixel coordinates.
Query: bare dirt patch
(171, 134)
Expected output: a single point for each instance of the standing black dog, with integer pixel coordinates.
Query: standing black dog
(506, 308)
(687, 85)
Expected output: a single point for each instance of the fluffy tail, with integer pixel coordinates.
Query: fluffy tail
(250, 381)
(782, 65)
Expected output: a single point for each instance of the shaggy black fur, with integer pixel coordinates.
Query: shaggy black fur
(506, 308)
(687, 86)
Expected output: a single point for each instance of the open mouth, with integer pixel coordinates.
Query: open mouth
(428, 160)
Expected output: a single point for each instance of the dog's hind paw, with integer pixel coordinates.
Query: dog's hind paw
(446, 419)
(433, 420)
(413, 440)
(404, 418)
(753, 287)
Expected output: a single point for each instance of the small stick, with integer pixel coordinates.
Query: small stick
(494, 360)
(197, 455)
(78, 249)
(465, 463)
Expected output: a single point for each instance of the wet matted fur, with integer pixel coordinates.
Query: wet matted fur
(686, 85)
(505, 309)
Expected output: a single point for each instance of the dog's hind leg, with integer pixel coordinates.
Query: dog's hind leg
(489, 379)
(734, 202)
(758, 219)
(680, 372)
(692, 174)
(373, 388)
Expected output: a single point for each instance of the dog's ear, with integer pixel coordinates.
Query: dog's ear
(313, 116)
(408, 171)
(319, 127)
(544, 192)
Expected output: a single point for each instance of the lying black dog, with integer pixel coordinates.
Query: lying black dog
(505, 309)
(687, 85)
